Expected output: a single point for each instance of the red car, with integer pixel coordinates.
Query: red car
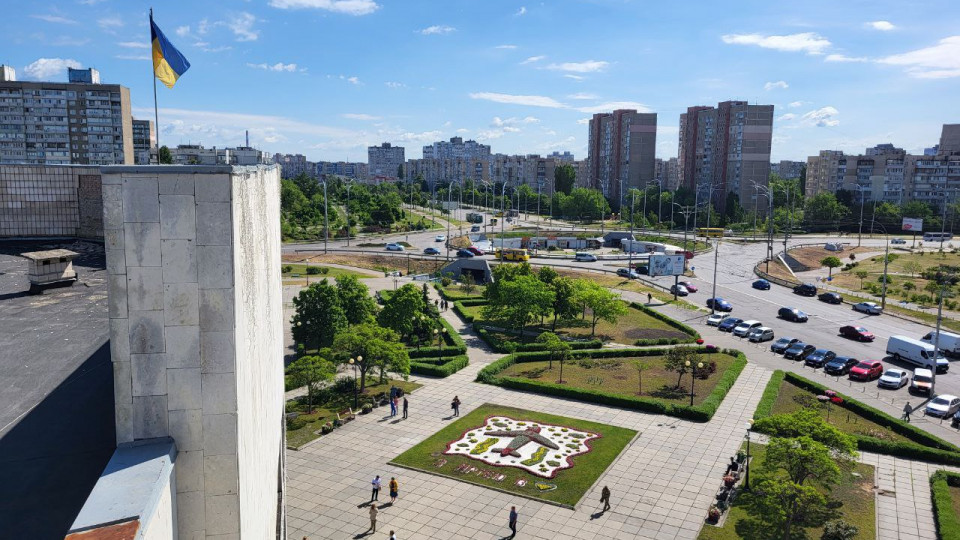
(475, 250)
(866, 370)
(690, 286)
(858, 333)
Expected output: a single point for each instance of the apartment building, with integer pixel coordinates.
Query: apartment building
(565, 157)
(457, 148)
(53, 123)
(621, 150)
(144, 142)
(357, 171)
(195, 154)
(292, 165)
(667, 173)
(726, 147)
(384, 161)
(790, 170)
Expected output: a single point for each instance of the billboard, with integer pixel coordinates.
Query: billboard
(666, 265)
(912, 224)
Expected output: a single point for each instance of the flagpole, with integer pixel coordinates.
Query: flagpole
(156, 112)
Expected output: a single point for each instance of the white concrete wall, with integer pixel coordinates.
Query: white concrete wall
(161, 524)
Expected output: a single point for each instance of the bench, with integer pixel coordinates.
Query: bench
(346, 415)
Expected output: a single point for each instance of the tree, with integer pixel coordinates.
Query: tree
(547, 274)
(318, 317)
(831, 263)
(553, 344)
(839, 530)
(733, 211)
(400, 171)
(781, 504)
(401, 308)
(355, 299)
(519, 301)
(862, 275)
(309, 371)
(677, 359)
(564, 177)
(808, 422)
(564, 299)
(372, 347)
(602, 303)
(164, 156)
(640, 366)
(913, 267)
(824, 209)
(466, 282)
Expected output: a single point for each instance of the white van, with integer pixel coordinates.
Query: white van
(921, 381)
(916, 352)
(585, 257)
(949, 343)
(745, 327)
(761, 334)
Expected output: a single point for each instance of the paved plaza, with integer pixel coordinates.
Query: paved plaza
(662, 484)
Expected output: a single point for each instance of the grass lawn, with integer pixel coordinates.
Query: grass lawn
(619, 376)
(811, 256)
(455, 292)
(847, 421)
(570, 483)
(331, 272)
(955, 499)
(854, 493)
(628, 329)
(380, 263)
(612, 281)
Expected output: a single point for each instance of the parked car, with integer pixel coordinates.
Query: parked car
(943, 406)
(761, 284)
(916, 352)
(440, 238)
(627, 273)
(830, 298)
(792, 314)
(866, 370)
(840, 365)
(643, 269)
(679, 290)
(898, 241)
(781, 345)
(475, 228)
(806, 289)
(464, 253)
(858, 333)
(393, 246)
(690, 286)
(833, 246)
(799, 351)
(716, 319)
(431, 251)
(893, 378)
(820, 357)
(475, 250)
(585, 257)
(922, 381)
(729, 324)
(759, 335)
(870, 308)
(721, 304)
(744, 328)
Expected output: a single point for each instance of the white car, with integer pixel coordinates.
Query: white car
(393, 246)
(585, 257)
(744, 328)
(441, 238)
(944, 405)
(894, 378)
(870, 308)
(759, 335)
(898, 241)
(716, 319)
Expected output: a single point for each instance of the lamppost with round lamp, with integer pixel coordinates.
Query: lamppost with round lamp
(355, 387)
(693, 376)
(746, 481)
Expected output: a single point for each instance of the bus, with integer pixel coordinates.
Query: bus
(937, 237)
(513, 254)
(711, 232)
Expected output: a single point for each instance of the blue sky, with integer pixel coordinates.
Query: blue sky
(327, 78)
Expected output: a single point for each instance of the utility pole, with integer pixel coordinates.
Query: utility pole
(860, 229)
(503, 218)
(326, 223)
(349, 185)
(936, 339)
(716, 260)
(633, 202)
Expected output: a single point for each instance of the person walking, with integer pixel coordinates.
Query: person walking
(393, 535)
(513, 521)
(376, 489)
(649, 298)
(405, 405)
(455, 405)
(605, 498)
(393, 406)
(373, 517)
(394, 489)
(907, 410)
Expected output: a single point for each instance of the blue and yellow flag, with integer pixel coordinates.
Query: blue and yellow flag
(168, 63)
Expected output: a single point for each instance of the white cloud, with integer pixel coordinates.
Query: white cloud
(779, 84)
(521, 11)
(532, 59)
(786, 117)
(808, 42)
(241, 25)
(574, 77)
(348, 7)
(110, 22)
(614, 105)
(843, 58)
(941, 61)
(489, 134)
(583, 95)
(590, 66)
(133, 57)
(505, 47)
(90, 2)
(513, 99)
(134, 44)
(513, 120)
(54, 19)
(511, 129)
(205, 47)
(822, 117)
(436, 30)
(353, 80)
(424, 136)
(668, 130)
(883, 26)
(583, 121)
(44, 68)
(279, 66)
(360, 116)
(463, 130)
(394, 84)
(795, 104)
(182, 31)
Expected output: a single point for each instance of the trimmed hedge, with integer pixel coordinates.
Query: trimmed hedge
(433, 368)
(453, 344)
(924, 446)
(700, 413)
(948, 523)
(671, 322)
(500, 346)
(458, 309)
(443, 294)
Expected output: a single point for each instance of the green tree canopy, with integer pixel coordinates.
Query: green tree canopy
(676, 361)
(519, 302)
(554, 345)
(401, 308)
(602, 303)
(377, 348)
(355, 299)
(565, 304)
(310, 371)
(318, 315)
(831, 263)
(564, 178)
(824, 209)
(164, 155)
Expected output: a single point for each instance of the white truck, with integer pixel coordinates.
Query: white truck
(916, 352)
(949, 343)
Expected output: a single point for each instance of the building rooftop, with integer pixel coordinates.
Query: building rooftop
(48, 254)
(56, 391)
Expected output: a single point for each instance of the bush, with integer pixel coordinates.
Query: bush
(313, 270)
(366, 408)
(327, 428)
(296, 423)
(889, 279)
(509, 347)
(948, 523)
(839, 530)
(770, 393)
(445, 281)
(434, 369)
(286, 269)
(343, 385)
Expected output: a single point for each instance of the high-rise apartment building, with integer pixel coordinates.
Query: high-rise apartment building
(668, 173)
(292, 165)
(357, 171)
(726, 147)
(144, 142)
(565, 157)
(195, 154)
(384, 161)
(456, 148)
(790, 170)
(621, 149)
(949, 140)
(884, 149)
(79, 122)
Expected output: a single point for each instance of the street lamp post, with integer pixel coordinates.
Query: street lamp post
(355, 387)
(503, 217)
(746, 481)
(349, 185)
(860, 189)
(539, 193)
(693, 376)
(326, 223)
(633, 202)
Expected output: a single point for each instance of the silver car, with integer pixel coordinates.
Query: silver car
(943, 406)
(870, 308)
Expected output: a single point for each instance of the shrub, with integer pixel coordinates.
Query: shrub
(327, 428)
(889, 279)
(313, 270)
(296, 423)
(947, 521)
(286, 269)
(366, 408)
(445, 281)
(435, 369)
(839, 530)
(769, 397)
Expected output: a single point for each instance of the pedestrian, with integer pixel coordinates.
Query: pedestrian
(393, 535)
(436, 304)
(907, 409)
(373, 517)
(405, 408)
(376, 489)
(455, 405)
(605, 498)
(393, 406)
(649, 298)
(513, 521)
(394, 489)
